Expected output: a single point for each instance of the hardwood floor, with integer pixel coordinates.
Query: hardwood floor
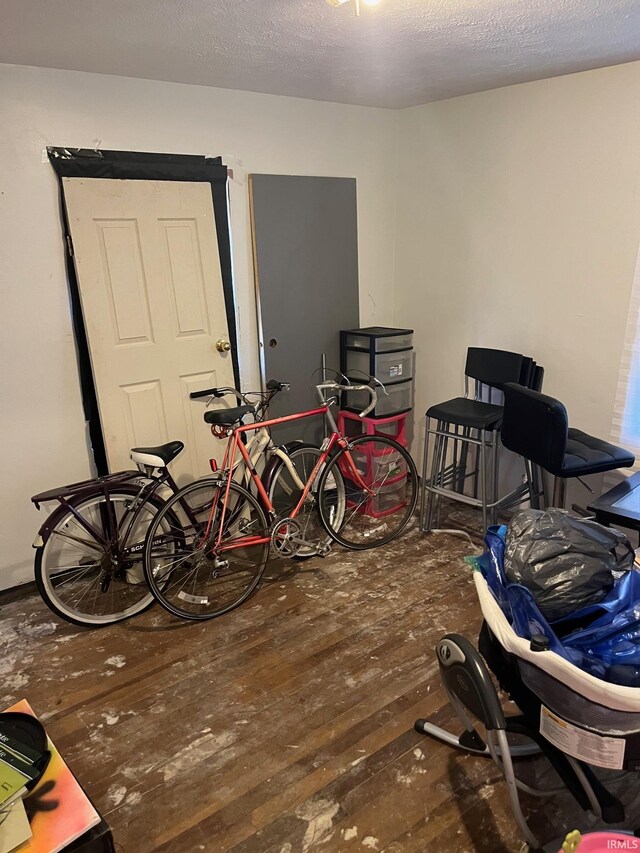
(284, 726)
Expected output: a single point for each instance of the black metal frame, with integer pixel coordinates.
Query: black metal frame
(138, 165)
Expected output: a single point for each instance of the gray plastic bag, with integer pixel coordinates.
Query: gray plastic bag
(565, 562)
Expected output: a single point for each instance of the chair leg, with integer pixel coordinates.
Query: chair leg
(423, 491)
(440, 471)
(454, 461)
(443, 475)
(531, 485)
(539, 477)
(431, 495)
(559, 492)
(476, 466)
(483, 476)
(462, 478)
(496, 476)
(538, 486)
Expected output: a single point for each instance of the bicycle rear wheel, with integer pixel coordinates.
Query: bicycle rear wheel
(85, 582)
(188, 572)
(379, 502)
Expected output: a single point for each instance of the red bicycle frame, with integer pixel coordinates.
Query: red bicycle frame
(236, 443)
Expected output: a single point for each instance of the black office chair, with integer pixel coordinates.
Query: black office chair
(536, 427)
(465, 422)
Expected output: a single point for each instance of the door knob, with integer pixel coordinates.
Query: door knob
(222, 345)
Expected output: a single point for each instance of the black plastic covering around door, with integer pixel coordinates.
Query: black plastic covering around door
(139, 166)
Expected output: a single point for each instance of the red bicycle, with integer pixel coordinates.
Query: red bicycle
(207, 548)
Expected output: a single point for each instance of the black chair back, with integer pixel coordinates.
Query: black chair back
(494, 367)
(535, 426)
(526, 371)
(538, 377)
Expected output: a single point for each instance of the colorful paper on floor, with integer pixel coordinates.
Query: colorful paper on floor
(11, 781)
(57, 808)
(14, 829)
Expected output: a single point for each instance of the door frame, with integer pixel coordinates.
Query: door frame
(139, 166)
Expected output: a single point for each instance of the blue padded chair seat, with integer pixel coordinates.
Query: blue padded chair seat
(586, 454)
(468, 413)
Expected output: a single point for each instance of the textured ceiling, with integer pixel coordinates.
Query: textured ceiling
(397, 54)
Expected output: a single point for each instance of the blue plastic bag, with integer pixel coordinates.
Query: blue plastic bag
(608, 646)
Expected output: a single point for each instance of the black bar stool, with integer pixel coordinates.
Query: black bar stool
(536, 427)
(465, 422)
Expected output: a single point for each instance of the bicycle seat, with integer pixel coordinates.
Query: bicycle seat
(158, 456)
(228, 417)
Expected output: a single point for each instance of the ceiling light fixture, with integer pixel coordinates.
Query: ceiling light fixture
(336, 3)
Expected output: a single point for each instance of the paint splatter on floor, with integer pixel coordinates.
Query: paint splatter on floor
(286, 725)
(319, 815)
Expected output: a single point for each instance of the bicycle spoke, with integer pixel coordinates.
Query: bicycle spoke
(79, 578)
(176, 563)
(219, 577)
(166, 589)
(79, 574)
(380, 498)
(86, 543)
(78, 566)
(237, 557)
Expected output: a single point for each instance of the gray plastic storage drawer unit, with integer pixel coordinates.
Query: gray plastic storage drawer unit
(382, 352)
(357, 344)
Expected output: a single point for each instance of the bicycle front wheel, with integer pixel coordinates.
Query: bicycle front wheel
(97, 580)
(195, 571)
(381, 491)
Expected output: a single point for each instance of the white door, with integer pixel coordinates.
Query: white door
(148, 270)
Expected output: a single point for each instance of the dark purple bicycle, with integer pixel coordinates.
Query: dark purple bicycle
(89, 551)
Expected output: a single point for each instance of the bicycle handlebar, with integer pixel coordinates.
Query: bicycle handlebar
(334, 386)
(261, 406)
(208, 392)
(274, 385)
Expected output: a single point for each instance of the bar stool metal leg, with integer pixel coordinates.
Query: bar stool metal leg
(444, 473)
(433, 481)
(483, 477)
(423, 491)
(457, 482)
(476, 466)
(464, 455)
(448, 464)
(539, 485)
(441, 465)
(533, 496)
(559, 492)
(496, 477)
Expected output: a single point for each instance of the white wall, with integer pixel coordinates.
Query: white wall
(518, 228)
(41, 419)
(518, 223)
